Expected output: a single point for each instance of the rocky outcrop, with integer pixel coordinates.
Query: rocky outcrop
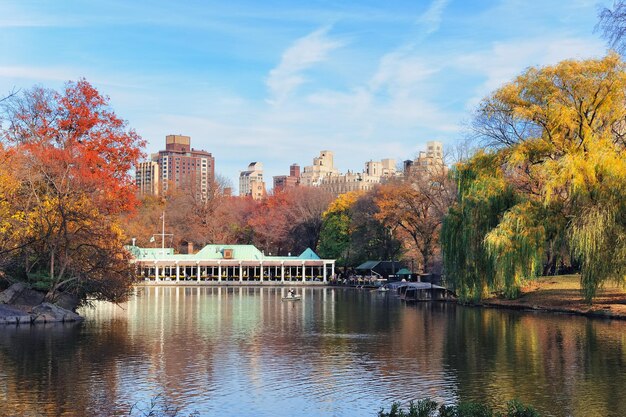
(49, 313)
(9, 315)
(66, 301)
(22, 305)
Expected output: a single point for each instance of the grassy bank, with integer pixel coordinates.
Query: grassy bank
(562, 294)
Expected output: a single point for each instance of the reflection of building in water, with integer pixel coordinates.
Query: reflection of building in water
(223, 263)
(240, 348)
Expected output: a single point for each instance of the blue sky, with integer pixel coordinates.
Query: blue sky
(278, 81)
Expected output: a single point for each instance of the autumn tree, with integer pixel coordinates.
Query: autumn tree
(371, 239)
(145, 221)
(567, 171)
(270, 224)
(335, 236)
(483, 197)
(71, 157)
(289, 220)
(414, 210)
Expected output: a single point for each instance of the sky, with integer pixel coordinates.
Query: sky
(278, 81)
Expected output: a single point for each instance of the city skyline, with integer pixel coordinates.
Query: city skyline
(281, 82)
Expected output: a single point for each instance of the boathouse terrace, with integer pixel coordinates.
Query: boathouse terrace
(229, 263)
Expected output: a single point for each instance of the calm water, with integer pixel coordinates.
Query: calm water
(244, 352)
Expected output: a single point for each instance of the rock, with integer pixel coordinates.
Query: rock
(20, 294)
(66, 301)
(9, 315)
(9, 295)
(29, 297)
(17, 301)
(53, 313)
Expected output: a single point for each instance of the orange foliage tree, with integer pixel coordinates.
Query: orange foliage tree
(71, 157)
(289, 221)
(415, 210)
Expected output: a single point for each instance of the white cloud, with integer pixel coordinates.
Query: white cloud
(401, 72)
(431, 18)
(37, 74)
(301, 55)
(505, 60)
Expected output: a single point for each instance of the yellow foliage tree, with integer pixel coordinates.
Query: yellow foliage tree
(562, 132)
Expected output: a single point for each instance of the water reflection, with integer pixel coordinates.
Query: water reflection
(243, 351)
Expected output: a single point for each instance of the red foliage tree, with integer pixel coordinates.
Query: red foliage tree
(71, 161)
(76, 134)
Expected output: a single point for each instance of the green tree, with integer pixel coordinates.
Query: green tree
(483, 198)
(336, 233)
(562, 152)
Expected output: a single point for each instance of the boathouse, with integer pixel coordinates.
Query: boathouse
(230, 263)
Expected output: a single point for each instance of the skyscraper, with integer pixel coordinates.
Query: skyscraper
(251, 182)
(179, 168)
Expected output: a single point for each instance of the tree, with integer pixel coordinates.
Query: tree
(568, 175)
(71, 157)
(371, 239)
(306, 209)
(335, 236)
(415, 209)
(612, 24)
(483, 197)
(270, 223)
(289, 221)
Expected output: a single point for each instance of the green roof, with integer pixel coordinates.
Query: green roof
(404, 271)
(368, 265)
(240, 252)
(308, 254)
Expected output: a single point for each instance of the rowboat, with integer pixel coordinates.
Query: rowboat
(292, 298)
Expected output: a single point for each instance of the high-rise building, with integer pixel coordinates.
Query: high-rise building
(147, 177)
(251, 182)
(287, 181)
(179, 167)
(323, 166)
(428, 162)
(375, 172)
(323, 174)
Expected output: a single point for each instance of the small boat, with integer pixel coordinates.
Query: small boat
(382, 289)
(292, 298)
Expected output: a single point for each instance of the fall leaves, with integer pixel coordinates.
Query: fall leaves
(559, 160)
(66, 182)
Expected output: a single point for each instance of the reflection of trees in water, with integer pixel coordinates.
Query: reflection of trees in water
(403, 352)
(62, 368)
(564, 365)
(189, 344)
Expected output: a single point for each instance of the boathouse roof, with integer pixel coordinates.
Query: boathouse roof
(216, 252)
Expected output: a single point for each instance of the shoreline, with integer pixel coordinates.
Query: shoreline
(556, 294)
(230, 284)
(591, 312)
(561, 295)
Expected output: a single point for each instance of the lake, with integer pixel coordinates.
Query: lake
(338, 352)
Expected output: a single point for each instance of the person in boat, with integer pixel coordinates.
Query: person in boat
(291, 293)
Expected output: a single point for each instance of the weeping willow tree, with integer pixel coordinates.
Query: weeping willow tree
(516, 247)
(484, 196)
(597, 239)
(559, 134)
